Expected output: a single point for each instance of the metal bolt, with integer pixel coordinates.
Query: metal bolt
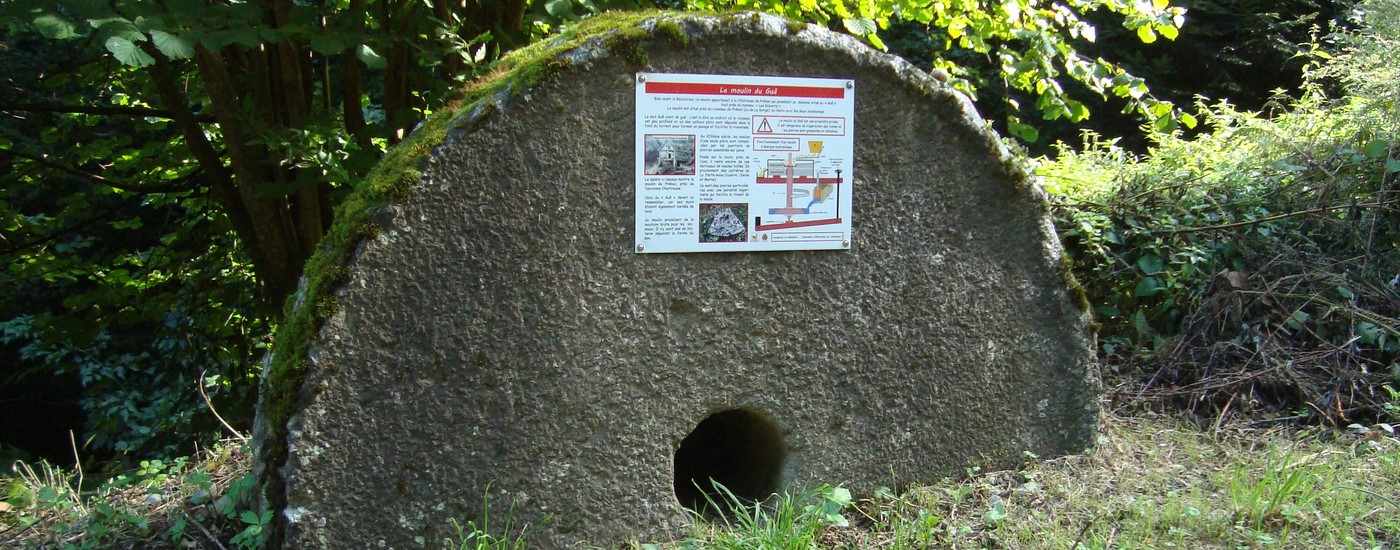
(641, 78)
(850, 84)
(641, 247)
(846, 244)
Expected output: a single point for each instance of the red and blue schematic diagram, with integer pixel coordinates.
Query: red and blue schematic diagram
(804, 180)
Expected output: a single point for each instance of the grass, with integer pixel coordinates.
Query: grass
(1152, 481)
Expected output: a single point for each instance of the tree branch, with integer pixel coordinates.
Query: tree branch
(102, 110)
(60, 233)
(184, 183)
(1377, 204)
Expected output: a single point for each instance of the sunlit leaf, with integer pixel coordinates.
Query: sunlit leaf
(860, 26)
(172, 46)
(128, 53)
(53, 26)
(1164, 124)
(371, 58)
(1146, 34)
(875, 41)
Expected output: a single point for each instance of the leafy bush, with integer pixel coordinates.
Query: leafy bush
(1257, 265)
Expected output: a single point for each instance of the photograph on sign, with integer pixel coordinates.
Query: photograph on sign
(731, 163)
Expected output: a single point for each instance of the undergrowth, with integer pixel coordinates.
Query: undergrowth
(1152, 481)
(199, 502)
(1255, 268)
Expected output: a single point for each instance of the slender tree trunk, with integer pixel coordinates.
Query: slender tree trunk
(353, 80)
(273, 237)
(504, 19)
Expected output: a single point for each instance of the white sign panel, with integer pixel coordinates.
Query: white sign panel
(743, 163)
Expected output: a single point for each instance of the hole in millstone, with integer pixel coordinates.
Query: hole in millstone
(742, 450)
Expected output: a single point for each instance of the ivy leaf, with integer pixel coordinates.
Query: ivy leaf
(1297, 320)
(53, 26)
(172, 46)
(128, 52)
(1150, 264)
(1147, 287)
(860, 26)
(372, 60)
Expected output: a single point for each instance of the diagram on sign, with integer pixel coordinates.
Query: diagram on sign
(802, 178)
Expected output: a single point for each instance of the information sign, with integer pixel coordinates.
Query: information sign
(743, 163)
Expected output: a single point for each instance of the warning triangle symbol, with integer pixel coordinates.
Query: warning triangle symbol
(763, 127)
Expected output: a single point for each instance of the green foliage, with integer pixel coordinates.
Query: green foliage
(785, 521)
(1153, 482)
(1250, 48)
(474, 536)
(1243, 50)
(1267, 246)
(1034, 47)
(1286, 488)
(178, 503)
(1368, 67)
(128, 297)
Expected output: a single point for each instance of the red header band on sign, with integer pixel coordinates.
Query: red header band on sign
(743, 90)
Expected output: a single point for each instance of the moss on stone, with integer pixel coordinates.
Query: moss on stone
(1077, 293)
(794, 26)
(672, 31)
(627, 44)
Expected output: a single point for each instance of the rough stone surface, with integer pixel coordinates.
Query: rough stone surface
(499, 337)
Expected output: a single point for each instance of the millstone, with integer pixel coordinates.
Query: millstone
(496, 336)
